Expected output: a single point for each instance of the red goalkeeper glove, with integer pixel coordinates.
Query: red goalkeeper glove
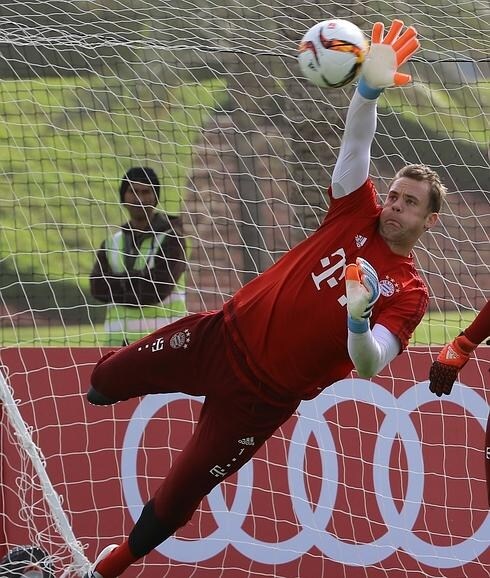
(450, 361)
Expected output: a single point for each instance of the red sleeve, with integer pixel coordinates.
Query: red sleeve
(402, 316)
(361, 202)
(480, 328)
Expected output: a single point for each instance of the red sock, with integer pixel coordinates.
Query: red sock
(117, 561)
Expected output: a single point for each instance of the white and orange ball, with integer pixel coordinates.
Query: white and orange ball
(331, 53)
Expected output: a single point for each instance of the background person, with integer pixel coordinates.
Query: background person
(298, 327)
(139, 269)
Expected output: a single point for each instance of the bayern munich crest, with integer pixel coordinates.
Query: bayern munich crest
(180, 339)
(388, 287)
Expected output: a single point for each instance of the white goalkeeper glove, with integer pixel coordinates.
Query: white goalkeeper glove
(386, 55)
(362, 291)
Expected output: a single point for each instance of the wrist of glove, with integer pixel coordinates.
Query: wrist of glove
(362, 292)
(452, 358)
(386, 55)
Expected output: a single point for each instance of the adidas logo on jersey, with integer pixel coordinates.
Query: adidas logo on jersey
(360, 240)
(247, 441)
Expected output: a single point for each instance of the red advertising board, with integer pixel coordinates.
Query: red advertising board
(373, 478)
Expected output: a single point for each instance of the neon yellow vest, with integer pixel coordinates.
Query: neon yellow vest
(125, 324)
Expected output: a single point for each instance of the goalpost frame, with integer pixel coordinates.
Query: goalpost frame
(53, 499)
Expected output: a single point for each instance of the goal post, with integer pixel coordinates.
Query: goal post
(210, 96)
(44, 514)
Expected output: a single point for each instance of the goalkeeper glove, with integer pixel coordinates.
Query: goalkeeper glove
(362, 291)
(379, 71)
(452, 358)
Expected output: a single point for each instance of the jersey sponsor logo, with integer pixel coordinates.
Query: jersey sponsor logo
(388, 287)
(180, 339)
(360, 240)
(218, 472)
(157, 345)
(334, 271)
(221, 471)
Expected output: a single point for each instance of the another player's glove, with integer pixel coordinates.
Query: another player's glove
(385, 56)
(452, 358)
(362, 291)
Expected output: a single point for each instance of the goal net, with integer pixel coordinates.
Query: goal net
(369, 480)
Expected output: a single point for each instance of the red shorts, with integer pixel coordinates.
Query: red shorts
(192, 356)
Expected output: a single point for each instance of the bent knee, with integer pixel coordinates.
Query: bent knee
(101, 379)
(96, 398)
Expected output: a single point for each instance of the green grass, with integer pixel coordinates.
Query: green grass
(64, 145)
(89, 335)
(439, 328)
(455, 114)
(435, 329)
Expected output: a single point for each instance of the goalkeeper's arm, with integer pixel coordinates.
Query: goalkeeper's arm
(456, 354)
(378, 72)
(352, 166)
(370, 351)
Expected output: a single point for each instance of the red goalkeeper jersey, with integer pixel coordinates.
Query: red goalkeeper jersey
(290, 322)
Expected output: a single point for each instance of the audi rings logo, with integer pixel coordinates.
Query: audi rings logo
(314, 519)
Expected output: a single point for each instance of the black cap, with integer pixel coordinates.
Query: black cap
(143, 175)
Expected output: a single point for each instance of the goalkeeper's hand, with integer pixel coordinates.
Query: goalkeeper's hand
(450, 361)
(386, 55)
(362, 292)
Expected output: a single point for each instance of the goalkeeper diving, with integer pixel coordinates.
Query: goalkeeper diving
(348, 297)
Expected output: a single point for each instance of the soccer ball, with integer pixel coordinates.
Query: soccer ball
(331, 53)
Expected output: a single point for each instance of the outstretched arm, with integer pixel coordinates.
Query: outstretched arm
(378, 72)
(352, 166)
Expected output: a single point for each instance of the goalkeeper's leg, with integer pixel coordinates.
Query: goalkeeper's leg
(158, 364)
(231, 429)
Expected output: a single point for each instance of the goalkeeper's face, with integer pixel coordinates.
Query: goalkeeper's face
(140, 202)
(406, 214)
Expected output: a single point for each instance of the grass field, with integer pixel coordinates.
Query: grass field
(435, 329)
(438, 328)
(64, 144)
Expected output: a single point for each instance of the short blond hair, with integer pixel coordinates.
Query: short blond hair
(437, 191)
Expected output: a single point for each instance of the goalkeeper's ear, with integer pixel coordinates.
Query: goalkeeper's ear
(431, 220)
